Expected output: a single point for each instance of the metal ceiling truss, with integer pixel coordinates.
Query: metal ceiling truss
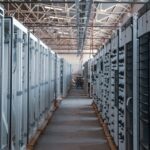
(71, 24)
(73, 1)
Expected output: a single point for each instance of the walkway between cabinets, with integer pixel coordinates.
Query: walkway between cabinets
(74, 126)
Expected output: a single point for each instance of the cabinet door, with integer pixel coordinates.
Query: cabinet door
(121, 99)
(5, 84)
(144, 92)
(129, 96)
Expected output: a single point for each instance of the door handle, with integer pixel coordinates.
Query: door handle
(128, 100)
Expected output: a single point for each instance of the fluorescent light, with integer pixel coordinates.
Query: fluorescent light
(102, 10)
(65, 33)
(53, 17)
(54, 8)
(60, 32)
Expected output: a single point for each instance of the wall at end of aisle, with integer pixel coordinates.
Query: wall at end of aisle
(75, 61)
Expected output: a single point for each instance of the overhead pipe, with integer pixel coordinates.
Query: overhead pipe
(77, 23)
(87, 9)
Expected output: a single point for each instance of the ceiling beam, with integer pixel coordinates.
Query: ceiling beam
(73, 1)
(66, 50)
(66, 26)
(75, 53)
(69, 45)
(101, 38)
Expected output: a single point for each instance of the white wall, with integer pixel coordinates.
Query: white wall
(75, 61)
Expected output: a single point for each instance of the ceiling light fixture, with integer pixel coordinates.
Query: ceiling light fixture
(55, 17)
(54, 8)
(66, 33)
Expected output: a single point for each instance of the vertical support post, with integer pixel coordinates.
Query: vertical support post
(28, 76)
(1, 67)
(135, 84)
(55, 83)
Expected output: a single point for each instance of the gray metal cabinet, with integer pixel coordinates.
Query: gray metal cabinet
(16, 45)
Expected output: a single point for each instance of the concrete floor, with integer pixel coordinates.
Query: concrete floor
(74, 126)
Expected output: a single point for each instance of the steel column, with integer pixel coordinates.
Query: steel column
(135, 85)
